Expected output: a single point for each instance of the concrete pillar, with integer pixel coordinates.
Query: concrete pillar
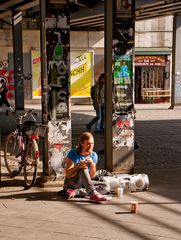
(55, 51)
(176, 63)
(108, 84)
(18, 60)
(123, 117)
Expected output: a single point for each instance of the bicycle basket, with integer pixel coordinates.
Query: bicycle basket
(29, 127)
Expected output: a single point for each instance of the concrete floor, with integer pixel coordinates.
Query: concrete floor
(40, 213)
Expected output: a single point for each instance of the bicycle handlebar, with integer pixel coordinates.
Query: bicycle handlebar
(21, 117)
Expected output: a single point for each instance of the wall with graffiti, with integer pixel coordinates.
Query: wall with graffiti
(8, 76)
(58, 62)
(7, 73)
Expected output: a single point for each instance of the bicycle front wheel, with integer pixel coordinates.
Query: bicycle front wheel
(31, 163)
(12, 156)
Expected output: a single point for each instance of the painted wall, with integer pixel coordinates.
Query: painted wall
(149, 33)
(154, 32)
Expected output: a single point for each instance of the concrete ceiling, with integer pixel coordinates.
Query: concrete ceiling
(89, 14)
(145, 10)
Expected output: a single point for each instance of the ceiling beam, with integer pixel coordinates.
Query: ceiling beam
(88, 20)
(100, 22)
(9, 4)
(170, 11)
(160, 7)
(29, 5)
(21, 8)
(85, 18)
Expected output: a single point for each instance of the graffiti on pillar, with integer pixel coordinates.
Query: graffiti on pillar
(58, 20)
(59, 141)
(123, 37)
(19, 74)
(4, 64)
(57, 52)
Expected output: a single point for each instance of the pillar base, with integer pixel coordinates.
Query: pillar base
(123, 160)
(50, 181)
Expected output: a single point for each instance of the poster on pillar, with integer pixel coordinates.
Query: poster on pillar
(123, 82)
(123, 115)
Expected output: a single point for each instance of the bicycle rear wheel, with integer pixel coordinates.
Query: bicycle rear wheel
(12, 156)
(31, 163)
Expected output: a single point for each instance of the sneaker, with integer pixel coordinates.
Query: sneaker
(88, 128)
(97, 197)
(11, 109)
(70, 193)
(96, 131)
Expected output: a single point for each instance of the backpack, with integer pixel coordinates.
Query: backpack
(92, 93)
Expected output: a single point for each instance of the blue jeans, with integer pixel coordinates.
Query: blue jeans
(102, 118)
(95, 119)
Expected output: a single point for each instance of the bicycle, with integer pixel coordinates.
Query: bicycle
(21, 148)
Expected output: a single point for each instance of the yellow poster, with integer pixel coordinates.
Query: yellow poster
(81, 74)
(36, 73)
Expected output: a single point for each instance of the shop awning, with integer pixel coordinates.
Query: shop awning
(153, 51)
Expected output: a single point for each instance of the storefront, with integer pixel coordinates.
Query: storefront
(152, 78)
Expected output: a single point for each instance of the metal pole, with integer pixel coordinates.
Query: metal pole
(108, 83)
(44, 83)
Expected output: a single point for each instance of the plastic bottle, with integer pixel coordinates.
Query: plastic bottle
(58, 50)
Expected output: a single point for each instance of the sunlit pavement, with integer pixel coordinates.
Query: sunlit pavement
(40, 213)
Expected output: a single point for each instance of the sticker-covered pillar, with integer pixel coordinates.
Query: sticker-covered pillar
(18, 59)
(55, 55)
(123, 114)
(119, 78)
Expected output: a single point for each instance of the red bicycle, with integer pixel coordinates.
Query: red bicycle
(21, 148)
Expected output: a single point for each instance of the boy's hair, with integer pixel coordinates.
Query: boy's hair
(83, 137)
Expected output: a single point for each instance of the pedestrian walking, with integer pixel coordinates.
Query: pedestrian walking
(3, 94)
(102, 102)
(95, 95)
